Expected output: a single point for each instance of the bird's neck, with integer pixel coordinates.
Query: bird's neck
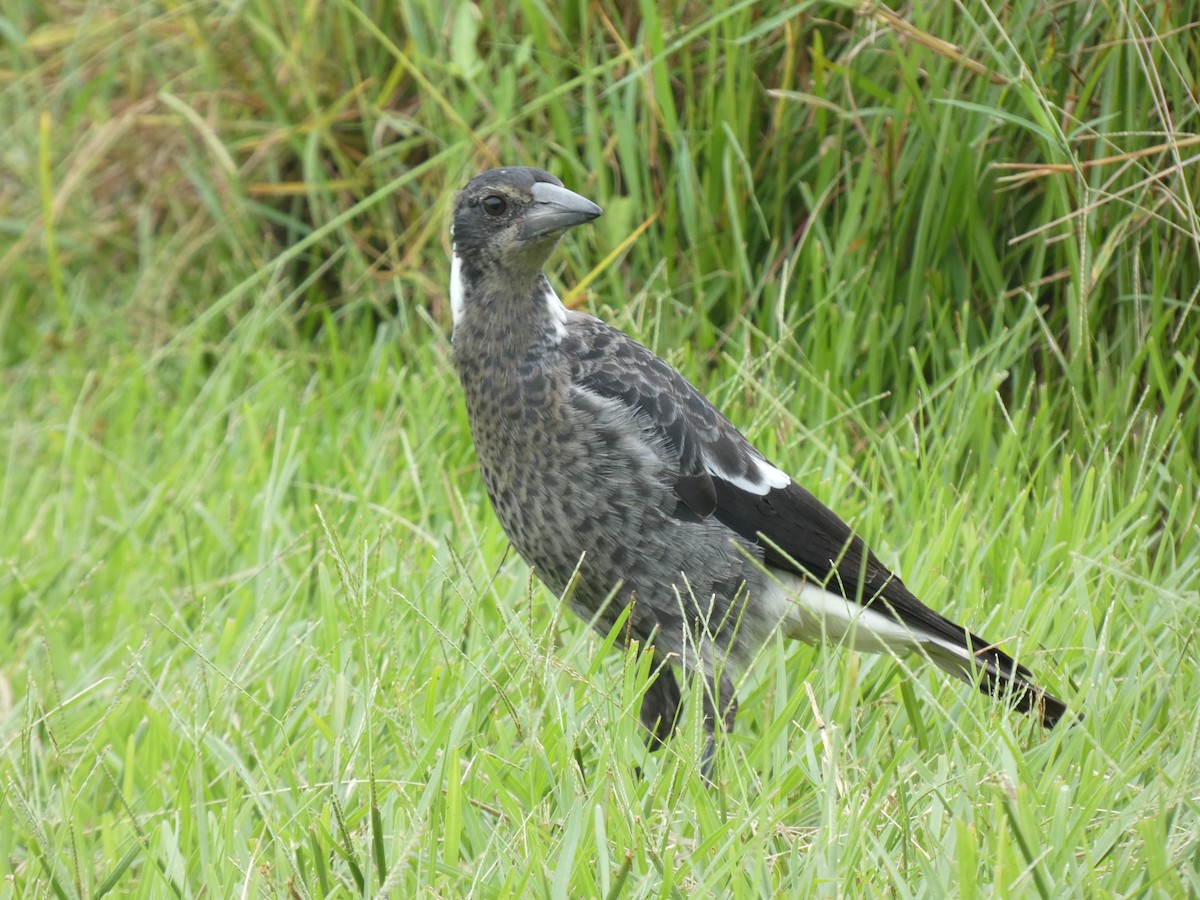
(506, 353)
(504, 319)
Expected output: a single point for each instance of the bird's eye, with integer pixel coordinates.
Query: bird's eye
(494, 205)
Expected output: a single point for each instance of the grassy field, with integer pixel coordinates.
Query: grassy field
(262, 633)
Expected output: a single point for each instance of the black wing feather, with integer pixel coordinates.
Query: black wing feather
(698, 492)
(799, 534)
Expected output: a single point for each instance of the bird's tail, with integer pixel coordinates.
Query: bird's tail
(997, 675)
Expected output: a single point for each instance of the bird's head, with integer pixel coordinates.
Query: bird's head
(508, 220)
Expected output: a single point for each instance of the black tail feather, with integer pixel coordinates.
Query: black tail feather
(1001, 677)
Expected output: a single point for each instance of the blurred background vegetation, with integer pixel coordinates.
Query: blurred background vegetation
(941, 258)
(1037, 155)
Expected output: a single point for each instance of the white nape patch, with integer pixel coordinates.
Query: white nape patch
(558, 312)
(808, 612)
(762, 477)
(457, 288)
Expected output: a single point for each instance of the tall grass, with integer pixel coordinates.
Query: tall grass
(263, 636)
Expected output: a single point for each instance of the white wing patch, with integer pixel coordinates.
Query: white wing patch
(457, 288)
(761, 478)
(808, 612)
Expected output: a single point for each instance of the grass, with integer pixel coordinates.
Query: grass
(262, 634)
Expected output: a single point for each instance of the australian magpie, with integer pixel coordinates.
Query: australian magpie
(626, 490)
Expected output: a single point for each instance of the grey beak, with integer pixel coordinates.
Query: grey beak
(556, 209)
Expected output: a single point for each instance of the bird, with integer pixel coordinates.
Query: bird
(630, 494)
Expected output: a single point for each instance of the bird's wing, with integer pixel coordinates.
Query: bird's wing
(721, 474)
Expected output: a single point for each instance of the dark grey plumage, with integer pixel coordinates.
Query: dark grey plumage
(606, 465)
